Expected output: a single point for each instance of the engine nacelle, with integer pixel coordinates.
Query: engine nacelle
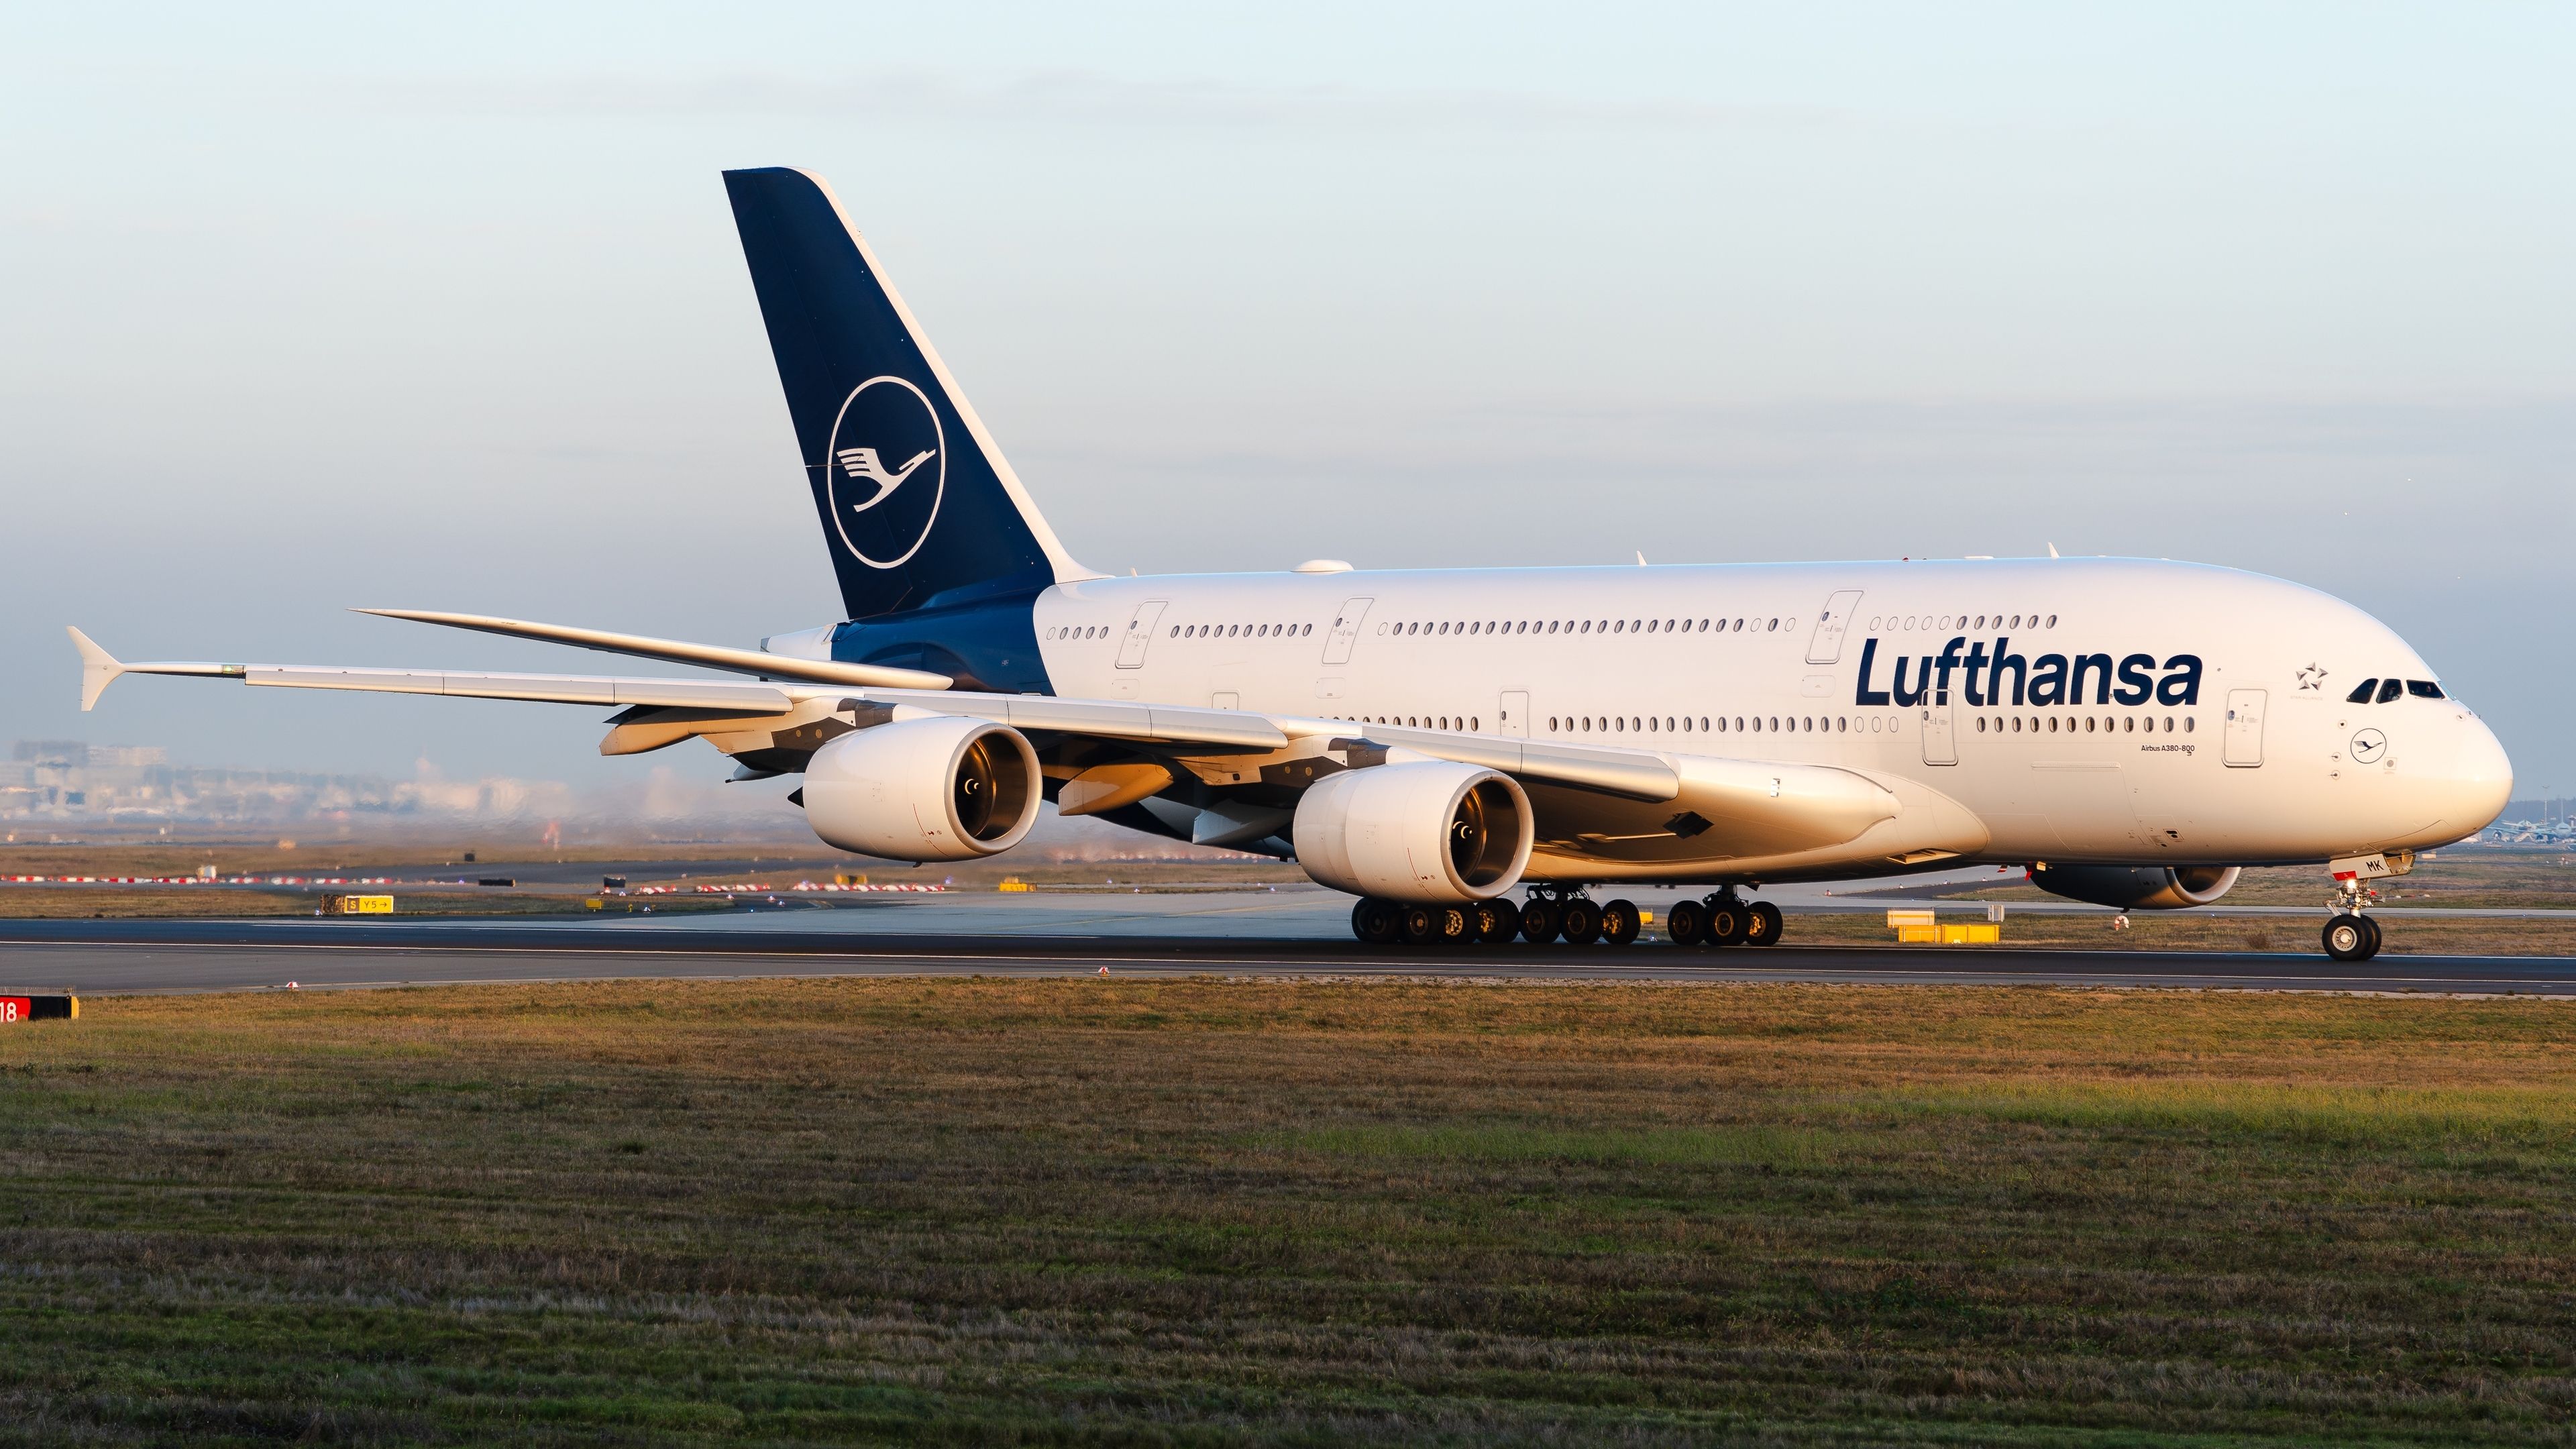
(2137, 887)
(924, 789)
(1434, 832)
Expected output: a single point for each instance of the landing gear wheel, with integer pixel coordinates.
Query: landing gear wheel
(1494, 921)
(1620, 922)
(1727, 922)
(1433, 925)
(1377, 922)
(2351, 938)
(1580, 923)
(1762, 924)
(1687, 923)
(1542, 920)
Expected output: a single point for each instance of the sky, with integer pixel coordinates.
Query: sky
(311, 307)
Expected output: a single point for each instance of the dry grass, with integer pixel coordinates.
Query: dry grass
(1205, 1213)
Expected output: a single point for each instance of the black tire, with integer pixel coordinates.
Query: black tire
(1377, 922)
(1762, 924)
(1581, 923)
(1726, 923)
(2373, 923)
(1620, 923)
(2348, 938)
(1687, 923)
(1421, 925)
(1541, 921)
(1495, 921)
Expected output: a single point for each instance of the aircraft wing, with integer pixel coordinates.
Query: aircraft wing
(1592, 799)
(679, 651)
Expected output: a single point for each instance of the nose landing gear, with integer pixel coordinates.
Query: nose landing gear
(2350, 935)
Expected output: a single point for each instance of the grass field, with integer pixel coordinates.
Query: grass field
(1196, 1212)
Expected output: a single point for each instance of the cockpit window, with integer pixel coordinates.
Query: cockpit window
(2361, 692)
(2423, 689)
(2388, 689)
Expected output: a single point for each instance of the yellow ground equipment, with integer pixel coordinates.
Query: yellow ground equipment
(1919, 927)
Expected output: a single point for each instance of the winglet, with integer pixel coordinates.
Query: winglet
(98, 667)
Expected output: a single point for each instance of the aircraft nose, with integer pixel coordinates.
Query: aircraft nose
(2481, 777)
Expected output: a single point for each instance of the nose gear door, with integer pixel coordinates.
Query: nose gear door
(1140, 632)
(2245, 728)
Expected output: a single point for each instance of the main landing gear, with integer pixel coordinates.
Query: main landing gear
(1553, 914)
(1724, 919)
(2350, 935)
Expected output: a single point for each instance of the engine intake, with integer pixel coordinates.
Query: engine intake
(924, 789)
(1435, 833)
(2138, 887)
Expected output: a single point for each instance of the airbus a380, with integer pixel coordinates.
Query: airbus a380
(2131, 731)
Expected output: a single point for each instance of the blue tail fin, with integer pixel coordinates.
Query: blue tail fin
(919, 508)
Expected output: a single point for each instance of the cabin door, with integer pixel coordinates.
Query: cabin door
(1940, 745)
(2245, 728)
(1825, 646)
(1140, 632)
(1512, 715)
(1346, 630)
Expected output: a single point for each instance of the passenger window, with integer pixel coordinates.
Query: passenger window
(2389, 689)
(2424, 689)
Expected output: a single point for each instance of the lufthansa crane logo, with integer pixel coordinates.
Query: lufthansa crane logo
(882, 511)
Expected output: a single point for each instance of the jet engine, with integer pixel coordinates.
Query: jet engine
(2136, 887)
(1435, 833)
(924, 789)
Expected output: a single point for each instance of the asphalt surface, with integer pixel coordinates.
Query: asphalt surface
(98, 957)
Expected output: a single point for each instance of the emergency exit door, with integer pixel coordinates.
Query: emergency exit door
(2245, 728)
(1512, 715)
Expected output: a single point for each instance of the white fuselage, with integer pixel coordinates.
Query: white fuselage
(2249, 757)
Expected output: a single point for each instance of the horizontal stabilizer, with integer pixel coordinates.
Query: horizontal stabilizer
(676, 651)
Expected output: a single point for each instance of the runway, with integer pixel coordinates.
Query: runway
(1222, 933)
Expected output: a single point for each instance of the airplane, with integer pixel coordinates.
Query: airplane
(2132, 732)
